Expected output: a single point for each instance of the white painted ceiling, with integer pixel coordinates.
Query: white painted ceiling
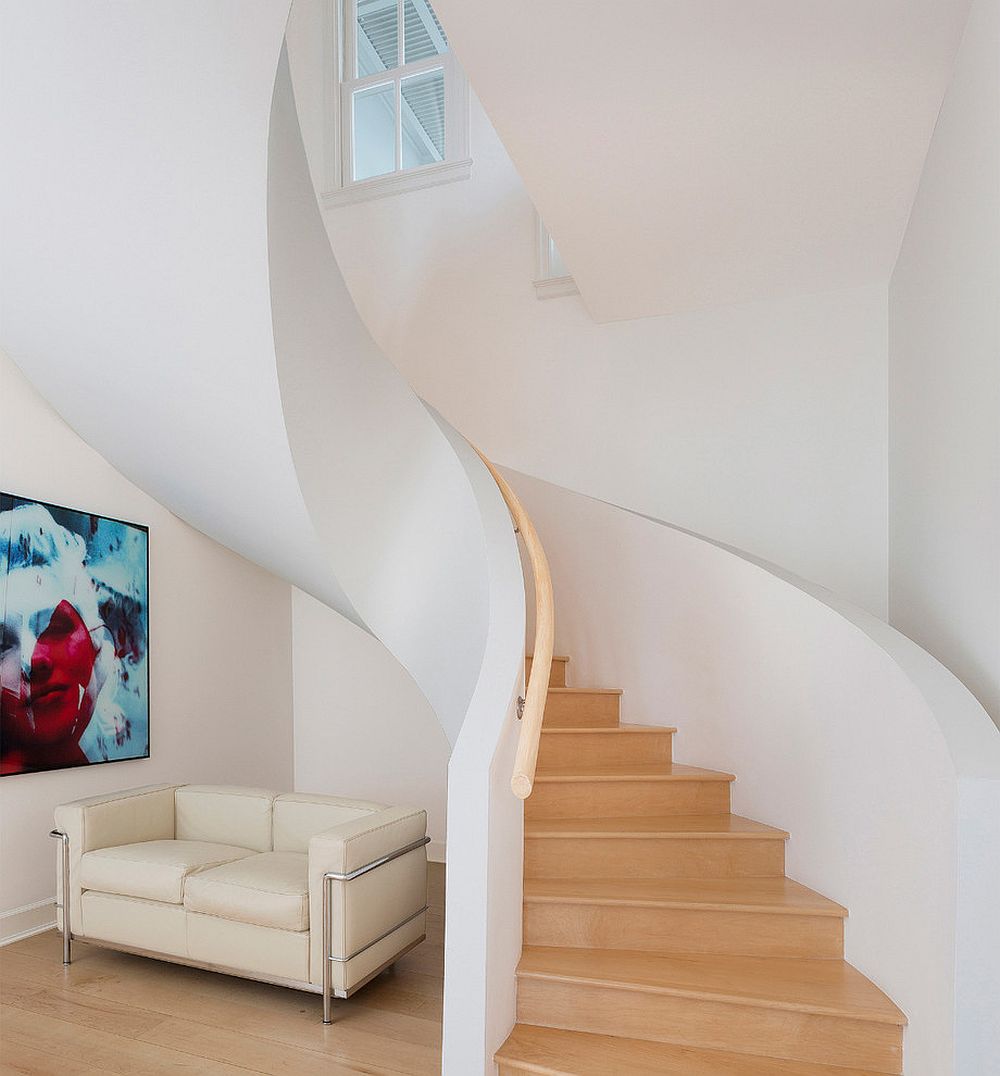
(692, 153)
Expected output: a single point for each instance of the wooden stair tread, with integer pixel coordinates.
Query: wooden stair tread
(633, 771)
(770, 895)
(585, 690)
(825, 987)
(614, 730)
(554, 1052)
(721, 826)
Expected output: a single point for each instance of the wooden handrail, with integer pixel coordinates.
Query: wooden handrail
(537, 690)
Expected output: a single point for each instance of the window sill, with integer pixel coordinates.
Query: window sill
(415, 179)
(555, 287)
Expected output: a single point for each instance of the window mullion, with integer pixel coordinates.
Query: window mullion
(428, 63)
(347, 136)
(348, 36)
(377, 79)
(399, 124)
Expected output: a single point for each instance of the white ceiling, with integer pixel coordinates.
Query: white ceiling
(691, 153)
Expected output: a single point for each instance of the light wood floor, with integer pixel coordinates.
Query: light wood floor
(114, 1013)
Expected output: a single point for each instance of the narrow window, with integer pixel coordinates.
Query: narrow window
(552, 278)
(402, 108)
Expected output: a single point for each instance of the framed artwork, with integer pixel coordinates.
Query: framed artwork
(74, 638)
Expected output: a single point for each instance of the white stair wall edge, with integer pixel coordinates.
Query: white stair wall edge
(485, 819)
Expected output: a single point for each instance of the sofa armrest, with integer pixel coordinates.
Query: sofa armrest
(373, 902)
(352, 845)
(137, 814)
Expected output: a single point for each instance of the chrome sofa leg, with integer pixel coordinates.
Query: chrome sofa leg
(327, 944)
(67, 935)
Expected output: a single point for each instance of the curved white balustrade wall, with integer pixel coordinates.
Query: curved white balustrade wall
(193, 327)
(881, 765)
(390, 500)
(485, 819)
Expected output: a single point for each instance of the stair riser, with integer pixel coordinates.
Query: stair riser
(626, 799)
(747, 1029)
(557, 676)
(655, 857)
(565, 750)
(683, 930)
(582, 710)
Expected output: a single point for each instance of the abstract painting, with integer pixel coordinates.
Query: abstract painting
(74, 638)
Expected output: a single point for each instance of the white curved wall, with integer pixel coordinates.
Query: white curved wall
(133, 272)
(193, 327)
(881, 765)
(390, 500)
(944, 382)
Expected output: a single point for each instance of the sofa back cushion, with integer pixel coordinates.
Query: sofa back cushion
(300, 815)
(224, 815)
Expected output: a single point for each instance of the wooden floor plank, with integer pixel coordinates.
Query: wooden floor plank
(16, 1059)
(115, 1013)
(103, 1050)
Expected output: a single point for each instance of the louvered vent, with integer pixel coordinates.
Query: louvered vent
(379, 26)
(424, 35)
(425, 96)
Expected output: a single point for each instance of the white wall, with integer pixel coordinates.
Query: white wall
(485, 818)
(220, 663)
(763, 425)
(944, 382)
(362, 726)
(883, 768)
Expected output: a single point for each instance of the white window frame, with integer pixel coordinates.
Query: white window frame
(547, 284)
(339, 49)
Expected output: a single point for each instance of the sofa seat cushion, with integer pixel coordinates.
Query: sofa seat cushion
(266, 890)
(153, 870)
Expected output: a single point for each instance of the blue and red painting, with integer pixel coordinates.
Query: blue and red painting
(74, 638)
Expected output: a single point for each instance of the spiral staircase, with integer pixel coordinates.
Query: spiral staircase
(661, 934)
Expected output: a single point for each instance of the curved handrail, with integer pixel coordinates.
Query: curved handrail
(537, 690)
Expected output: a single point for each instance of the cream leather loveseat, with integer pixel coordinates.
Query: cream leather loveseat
(246, 881)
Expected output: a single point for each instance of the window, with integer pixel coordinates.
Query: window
(401, 109)
(552, 277)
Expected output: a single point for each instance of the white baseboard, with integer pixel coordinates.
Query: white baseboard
(436, 852)
(29, 919)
